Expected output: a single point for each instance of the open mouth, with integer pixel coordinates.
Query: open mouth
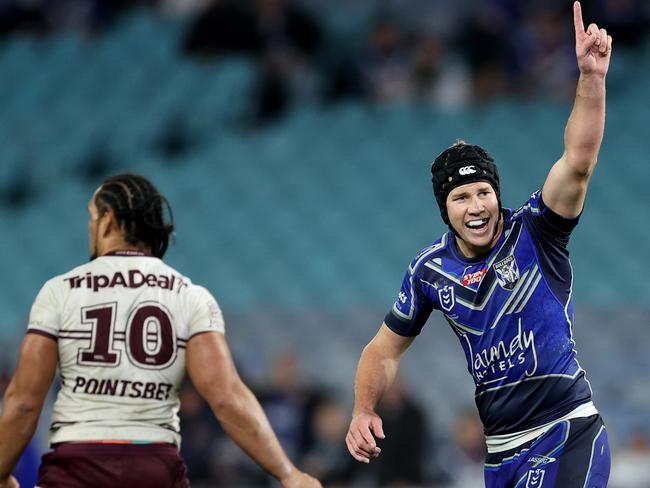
(477, 224)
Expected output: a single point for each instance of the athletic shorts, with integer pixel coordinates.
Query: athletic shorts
(85, 465)
(572, 454)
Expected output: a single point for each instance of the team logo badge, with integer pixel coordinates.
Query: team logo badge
(507, 272)
(447, 298)
(535, 478)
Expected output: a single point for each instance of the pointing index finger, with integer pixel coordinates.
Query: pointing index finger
(577, 18)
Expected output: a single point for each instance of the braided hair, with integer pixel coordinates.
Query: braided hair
(138, 207)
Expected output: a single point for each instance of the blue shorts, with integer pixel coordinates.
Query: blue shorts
(572, 454)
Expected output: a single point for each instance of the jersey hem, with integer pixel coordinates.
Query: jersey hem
(86, 434)
(505, 442)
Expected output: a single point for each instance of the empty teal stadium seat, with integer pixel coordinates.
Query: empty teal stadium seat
(325, 186)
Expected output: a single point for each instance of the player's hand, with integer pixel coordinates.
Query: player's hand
(364, 428)
(593, 46)
(298, 479)
(10, 482)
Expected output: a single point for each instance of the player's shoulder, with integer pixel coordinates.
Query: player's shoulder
(430, 252)
(199, 293)
(186, 284)
(59, 280)
(537, 216)
(54, 288)
(533, 206)
(158, 266)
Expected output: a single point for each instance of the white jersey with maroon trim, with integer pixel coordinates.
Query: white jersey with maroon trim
(122, 323)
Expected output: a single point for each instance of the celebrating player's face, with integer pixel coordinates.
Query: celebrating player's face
(473, 211)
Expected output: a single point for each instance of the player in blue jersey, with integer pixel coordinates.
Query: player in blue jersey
(503, 281)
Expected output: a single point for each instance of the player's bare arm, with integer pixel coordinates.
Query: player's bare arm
(376, 372)
(237, 409)
(566, 186)
(24, 400)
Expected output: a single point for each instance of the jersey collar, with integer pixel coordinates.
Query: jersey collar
(127, 253)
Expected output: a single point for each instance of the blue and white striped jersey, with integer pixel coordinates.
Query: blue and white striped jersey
(512, 311)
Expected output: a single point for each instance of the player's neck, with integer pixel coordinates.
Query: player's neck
(117, 246)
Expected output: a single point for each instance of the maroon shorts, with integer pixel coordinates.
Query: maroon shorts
(83, 465)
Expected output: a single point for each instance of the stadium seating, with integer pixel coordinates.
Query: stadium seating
(319, 212)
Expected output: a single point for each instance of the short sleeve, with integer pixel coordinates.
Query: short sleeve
(550, 234)
(546, 224)
(45, 315)
(412, 308)
(206, 315)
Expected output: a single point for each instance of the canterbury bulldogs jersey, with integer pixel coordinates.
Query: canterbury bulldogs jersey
(122, 323)
(512, 312)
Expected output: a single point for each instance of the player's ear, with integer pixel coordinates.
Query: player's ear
(108, 223)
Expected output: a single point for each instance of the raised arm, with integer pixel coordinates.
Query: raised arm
(214, 375)
(24, 400)
(376, 371)
(566, 185)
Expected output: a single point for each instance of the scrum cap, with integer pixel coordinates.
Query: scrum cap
(458, 165)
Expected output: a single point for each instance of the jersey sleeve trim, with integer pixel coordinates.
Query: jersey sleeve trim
(563, 224)
(400, 327)
(200, 332)
(42, 333)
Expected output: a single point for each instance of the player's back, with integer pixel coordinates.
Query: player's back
(122, 323)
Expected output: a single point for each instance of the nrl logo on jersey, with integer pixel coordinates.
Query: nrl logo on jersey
(507, 272)
(535, 478)
(447, 297)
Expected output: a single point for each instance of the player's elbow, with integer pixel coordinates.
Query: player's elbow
(226, 400)
(582, 172)
(22, 406)
(582, 161)
(379, 352)
(224, 405)
(28, 406)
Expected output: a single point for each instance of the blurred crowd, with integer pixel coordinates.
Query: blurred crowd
(311, 422)
(446, 54)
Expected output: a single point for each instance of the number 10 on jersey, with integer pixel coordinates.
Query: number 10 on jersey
(149, 338)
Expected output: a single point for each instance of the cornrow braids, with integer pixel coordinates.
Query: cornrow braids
(138, 207)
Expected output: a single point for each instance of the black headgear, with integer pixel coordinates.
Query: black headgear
(458, 165)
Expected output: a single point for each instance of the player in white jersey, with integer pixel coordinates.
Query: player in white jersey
(123, 329)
